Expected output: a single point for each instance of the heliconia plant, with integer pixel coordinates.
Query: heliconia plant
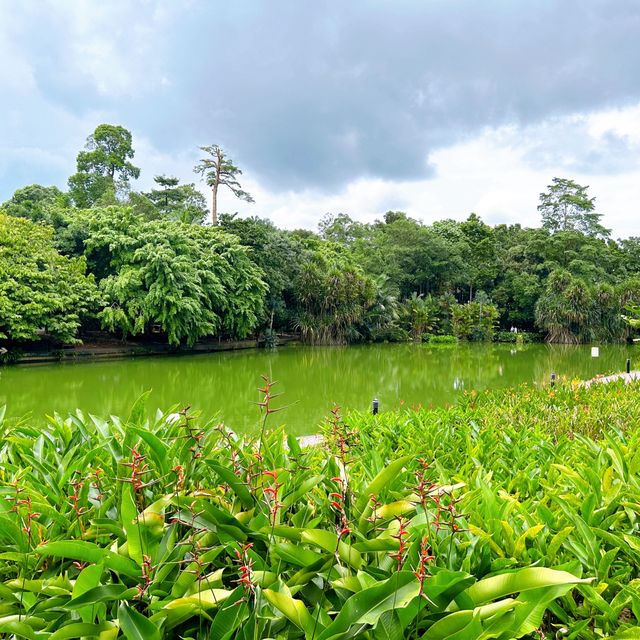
(420, 524)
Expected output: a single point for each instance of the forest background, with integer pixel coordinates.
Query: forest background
(161, 265)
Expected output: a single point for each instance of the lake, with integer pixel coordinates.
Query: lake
(312, 379)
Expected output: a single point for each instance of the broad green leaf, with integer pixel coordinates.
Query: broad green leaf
(522, 580)
(239, 487)
(88, 579)
(129, 515)
(135, 626)
(80, 630)
(381, 480)
(293, 609)
(102, 593)
(89, 552)
(329, 541)
(456, 622)
(296, 555)
(229, 616)
(366, 606)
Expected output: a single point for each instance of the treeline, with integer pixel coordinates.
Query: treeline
(102, 255)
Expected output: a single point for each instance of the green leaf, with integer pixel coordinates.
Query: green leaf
(88, 552)
(383, 478)
(229, 617)
(389, 627)
(158, 448)
(366, 606)
(135, 626)
(296, 555)
(129, 516)
(80, 630)
(239, 488)
(15, 625)
(296, 494)
(522, 580)
(328, 540)
(138, 412)
(102, 593)
(293, 609)
(466, 621)
(88, 579)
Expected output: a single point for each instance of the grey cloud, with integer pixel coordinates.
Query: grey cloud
(318, 94)
(321, 95)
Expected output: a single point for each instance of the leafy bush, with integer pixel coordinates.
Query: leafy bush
(475, 320)
(41, 291)
(549, 474)
(191, 281)
(179, 528)
(443, 340)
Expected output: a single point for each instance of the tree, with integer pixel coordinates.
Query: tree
(566, 207)
(333, 294)
(475, 320)
(219, 170)
(280, 255)
(35, 202)
(189, 280)
(42, 293)
(103, 168)
(421, 314)
(481, 265)
(565, 309)
(175, 201)
(340, 228)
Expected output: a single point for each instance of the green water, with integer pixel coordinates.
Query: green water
(312, 379)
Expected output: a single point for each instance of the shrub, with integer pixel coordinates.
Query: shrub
(440, 340)
(181, 528)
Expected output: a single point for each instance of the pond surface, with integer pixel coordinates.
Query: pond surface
(311, 378)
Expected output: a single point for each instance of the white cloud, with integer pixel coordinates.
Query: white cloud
(491, 174)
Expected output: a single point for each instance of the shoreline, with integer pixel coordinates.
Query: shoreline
(113, 349)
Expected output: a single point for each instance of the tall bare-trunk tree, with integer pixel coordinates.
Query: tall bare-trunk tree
(218, 169)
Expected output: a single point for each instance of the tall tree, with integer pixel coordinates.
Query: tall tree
(219, 170)
(175, 201)
(565, 309)
(103, 168)
(567, 207)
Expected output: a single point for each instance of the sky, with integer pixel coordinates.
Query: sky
(433, 107)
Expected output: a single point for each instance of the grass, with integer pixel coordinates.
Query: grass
(514, 514)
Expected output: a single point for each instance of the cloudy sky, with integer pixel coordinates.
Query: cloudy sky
(434, 107)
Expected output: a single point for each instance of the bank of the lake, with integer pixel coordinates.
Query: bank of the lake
(312, 379)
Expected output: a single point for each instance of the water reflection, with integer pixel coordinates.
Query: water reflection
(312, 379)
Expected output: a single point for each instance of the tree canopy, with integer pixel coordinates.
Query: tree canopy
(162, 272)
(189, 281)
(42, 293)
(104, 169)
(566, 206)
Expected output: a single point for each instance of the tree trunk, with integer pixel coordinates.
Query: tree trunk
(214, 205)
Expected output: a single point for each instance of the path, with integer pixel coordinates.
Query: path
(627, 377)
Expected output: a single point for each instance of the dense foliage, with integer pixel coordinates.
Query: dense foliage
(40, 290)
(189, 280)
(393, 279)
(512, 515)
